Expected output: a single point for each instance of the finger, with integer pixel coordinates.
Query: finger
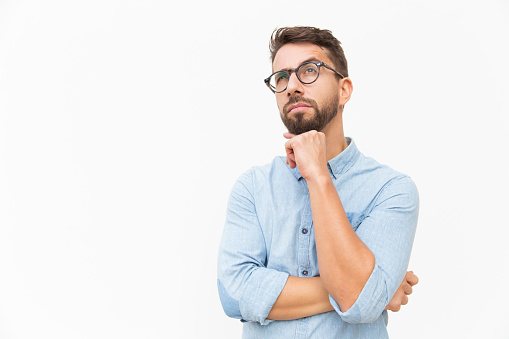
(290, 155)
(390, 306)
(290, 162)
(289, 135)
(407, 289)
(411, 278)
(395, 308)
(289, 147)
(290, 158)
(404, 300)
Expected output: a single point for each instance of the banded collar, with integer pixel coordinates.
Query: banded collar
(341, 163)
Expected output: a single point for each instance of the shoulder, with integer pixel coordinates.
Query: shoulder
(258, 176)
(386, 180)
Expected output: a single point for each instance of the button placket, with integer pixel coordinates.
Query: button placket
(304, 240)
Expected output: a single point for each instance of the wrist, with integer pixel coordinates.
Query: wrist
(319, 179)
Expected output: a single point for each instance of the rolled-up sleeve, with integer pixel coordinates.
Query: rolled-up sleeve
(247, 289)
(388, 231)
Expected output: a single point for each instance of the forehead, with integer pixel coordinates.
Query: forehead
(292, 55)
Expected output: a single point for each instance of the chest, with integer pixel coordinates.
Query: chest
(286, 220)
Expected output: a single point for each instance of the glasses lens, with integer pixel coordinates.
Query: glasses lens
(279, 81)
(308, 72)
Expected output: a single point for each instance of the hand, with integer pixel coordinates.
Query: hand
(307, 151)
(404, 290)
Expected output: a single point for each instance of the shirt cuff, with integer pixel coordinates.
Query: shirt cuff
(265, 286)
(371, 301)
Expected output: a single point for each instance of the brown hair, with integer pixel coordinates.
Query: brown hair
(312, 35)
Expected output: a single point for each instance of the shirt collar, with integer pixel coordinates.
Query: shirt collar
(341, 163)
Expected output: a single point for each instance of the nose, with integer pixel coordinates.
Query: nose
(294, 85)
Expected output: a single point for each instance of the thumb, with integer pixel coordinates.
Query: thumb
(289, 135)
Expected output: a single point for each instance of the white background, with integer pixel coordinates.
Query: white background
(123, 125)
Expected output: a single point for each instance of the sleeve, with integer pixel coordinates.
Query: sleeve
(247, 289)
(388, 231)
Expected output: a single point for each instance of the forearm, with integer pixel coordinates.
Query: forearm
(301, 297)
(345, 262)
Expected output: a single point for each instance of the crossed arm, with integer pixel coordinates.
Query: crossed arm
(345, 262)
(303, 297)
(251, 291)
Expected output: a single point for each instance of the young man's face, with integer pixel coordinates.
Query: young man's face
(305, 107)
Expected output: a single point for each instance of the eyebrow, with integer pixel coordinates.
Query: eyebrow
(307, 60)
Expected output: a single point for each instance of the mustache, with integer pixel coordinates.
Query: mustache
(295, 99)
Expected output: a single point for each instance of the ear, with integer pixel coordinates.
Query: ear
(345, 90)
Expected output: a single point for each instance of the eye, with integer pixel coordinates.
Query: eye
(310, 69)
(280, 76)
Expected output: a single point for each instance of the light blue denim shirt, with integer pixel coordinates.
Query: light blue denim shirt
(269, 235)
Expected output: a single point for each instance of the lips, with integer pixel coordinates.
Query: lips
(297, 107)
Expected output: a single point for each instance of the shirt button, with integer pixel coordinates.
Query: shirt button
(305, 273)
(304, 231)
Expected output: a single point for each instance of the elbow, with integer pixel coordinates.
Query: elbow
(354, 311)
(231, 310)
(357, 314)
(345, 301)
(347, 295)
(230, 305)
(372, 317)
(368, 316)
(364, 309)
(366, 305)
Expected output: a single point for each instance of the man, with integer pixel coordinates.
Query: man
(320, 238)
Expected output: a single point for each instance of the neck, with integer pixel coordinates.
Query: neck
(336, 142)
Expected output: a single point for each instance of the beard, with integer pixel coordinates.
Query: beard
(298, 124)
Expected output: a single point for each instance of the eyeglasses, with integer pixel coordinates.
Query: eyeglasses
(307, 73)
